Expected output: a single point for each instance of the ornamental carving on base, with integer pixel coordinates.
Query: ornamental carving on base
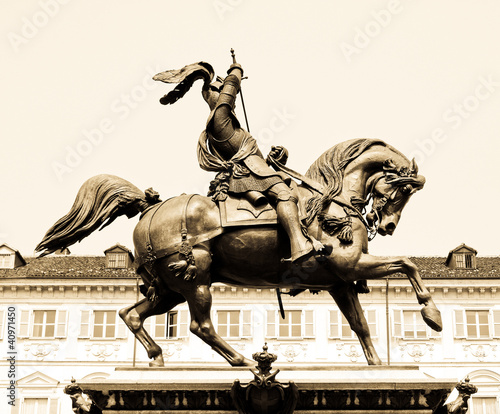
(264, 395)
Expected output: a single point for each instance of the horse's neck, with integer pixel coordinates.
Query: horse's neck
(356, 182)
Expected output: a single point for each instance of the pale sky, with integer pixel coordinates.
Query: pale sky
(422, 75)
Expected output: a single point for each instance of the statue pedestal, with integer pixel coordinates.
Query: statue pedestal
(321, 389)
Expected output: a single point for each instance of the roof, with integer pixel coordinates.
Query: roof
(456, 249)
(435, 267)
(16, 252)
(95, 267)
(120, 247)
(76, 267)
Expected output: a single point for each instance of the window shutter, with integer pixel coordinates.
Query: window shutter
(61, 323)
(157, 326)
(85, 324)
(246, 327)
(121, 328)
(308, 324)
(333, 331)
(183, 323)
(432, 333)
(496, 323)
(397, 330)
(24, 324)
(371, 318)
(459, 323)
(345, 329)
(2, 324)
(271, 324)
(53, 405)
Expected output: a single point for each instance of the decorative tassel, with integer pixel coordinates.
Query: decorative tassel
(151, 294)
(178, 267)
(190, 272)
(331, 224)
(345, 235)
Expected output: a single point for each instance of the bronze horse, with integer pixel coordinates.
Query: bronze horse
(181, 248)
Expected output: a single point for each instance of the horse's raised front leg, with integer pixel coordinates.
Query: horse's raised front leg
(135, 315)
(373, 267)
(346, 297)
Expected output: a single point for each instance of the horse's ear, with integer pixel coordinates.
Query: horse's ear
(414, 167)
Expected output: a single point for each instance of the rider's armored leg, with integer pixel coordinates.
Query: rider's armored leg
(288, 216)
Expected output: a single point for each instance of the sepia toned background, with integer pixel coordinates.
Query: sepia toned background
(78, 100)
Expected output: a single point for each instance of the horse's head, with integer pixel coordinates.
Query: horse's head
(390, 191)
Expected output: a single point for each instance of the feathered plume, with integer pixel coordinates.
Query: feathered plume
(185, 78)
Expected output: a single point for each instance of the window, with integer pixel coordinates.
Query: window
(6, 260)
(477, 324)
(117, 260)
(170, 325)
(228, 324)
(339, 326)
(35, 406)
(297, 324)
(464, 260)
(234, 324)
(102, 324)
(409, 324)
(43, 323)
(484, 405)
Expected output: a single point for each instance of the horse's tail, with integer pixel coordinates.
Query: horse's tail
(100, 200)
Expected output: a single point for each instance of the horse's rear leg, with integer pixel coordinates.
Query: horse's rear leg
(347, 300)
(200, 302)
(135, 315)
(197, 293)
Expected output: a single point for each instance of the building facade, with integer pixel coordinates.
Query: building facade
(65, 310)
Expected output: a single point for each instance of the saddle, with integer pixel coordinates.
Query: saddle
(238, 211)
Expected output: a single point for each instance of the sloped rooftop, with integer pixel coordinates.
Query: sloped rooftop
(434, 267)
(67, 267)
(95, 267)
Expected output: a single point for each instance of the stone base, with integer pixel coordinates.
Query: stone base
(322, 389)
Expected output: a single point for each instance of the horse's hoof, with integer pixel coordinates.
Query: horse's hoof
(157, 362)
(432, 318)
(243, 362)
(248, 363)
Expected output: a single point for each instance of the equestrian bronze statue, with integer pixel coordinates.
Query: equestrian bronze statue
(258, 227)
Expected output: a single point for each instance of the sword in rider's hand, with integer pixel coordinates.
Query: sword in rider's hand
(278, 292)
(241, 94)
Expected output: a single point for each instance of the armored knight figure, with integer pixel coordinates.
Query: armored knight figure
(225, 146)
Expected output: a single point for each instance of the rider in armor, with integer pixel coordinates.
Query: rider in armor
(225, 146)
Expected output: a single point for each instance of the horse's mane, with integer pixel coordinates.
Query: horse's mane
(329, 168)
(100, 200)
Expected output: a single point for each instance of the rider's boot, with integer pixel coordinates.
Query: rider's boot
(288, 216)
